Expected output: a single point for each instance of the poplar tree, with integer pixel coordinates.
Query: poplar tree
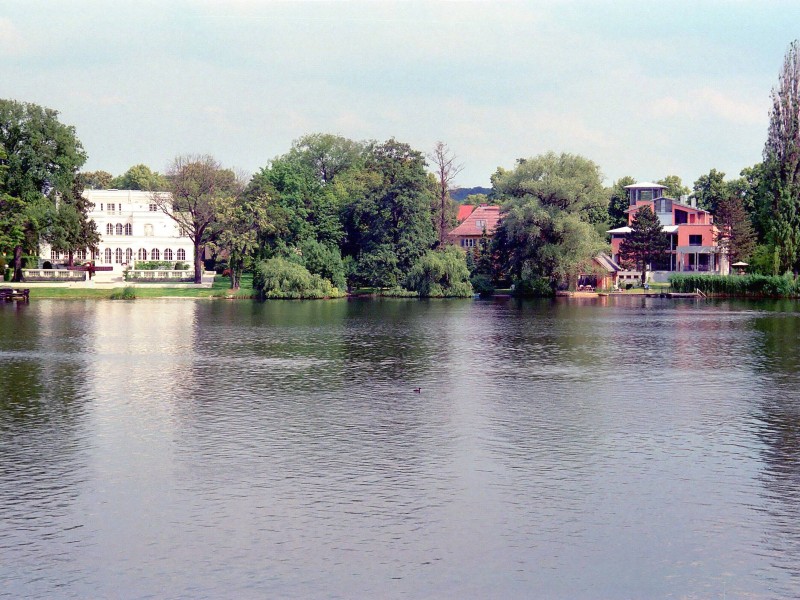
(782, 161)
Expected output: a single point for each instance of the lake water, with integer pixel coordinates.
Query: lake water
(631, 448)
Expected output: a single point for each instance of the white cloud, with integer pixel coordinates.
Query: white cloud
(12, 42)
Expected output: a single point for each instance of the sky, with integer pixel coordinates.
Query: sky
(646, 89)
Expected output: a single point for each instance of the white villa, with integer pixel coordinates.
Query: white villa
(131, 228)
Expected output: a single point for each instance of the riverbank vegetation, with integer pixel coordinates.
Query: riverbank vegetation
(334, 214)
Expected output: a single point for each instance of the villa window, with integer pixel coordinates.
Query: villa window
(168, 254)
(119, 228)
(480, 224)
(181, 254)
(53, 255)
(153, 207)
(109, 229)
(467, 242)
(107, 256)
(695, 240)
(155, 254)
(142, 254)
(81, 254)
(95, 255)
(128, 255)
(128, 229)
(118, 256)
(111, 208)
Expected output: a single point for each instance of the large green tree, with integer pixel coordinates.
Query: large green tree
(618, 203)
(710, 189)
(387, 217)
(646, 243)
(554, 217)
(675, 188)
(197, 184)
(782, 161)
(43, 157)
(735, 231)
(140, 177)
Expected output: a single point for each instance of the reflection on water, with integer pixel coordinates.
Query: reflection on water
(615, 449)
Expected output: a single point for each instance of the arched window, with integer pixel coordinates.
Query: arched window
(95, 254)
(168, 254)
(107, 255)
(128, 229)
(181, 254)
(118, 256)
(155, 254)
(109, 229)
(128, 255)
(142, 254)
(119, 228)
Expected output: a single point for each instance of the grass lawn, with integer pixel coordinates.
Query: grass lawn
(220, 289)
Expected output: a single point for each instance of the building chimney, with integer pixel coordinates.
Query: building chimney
(684, 199)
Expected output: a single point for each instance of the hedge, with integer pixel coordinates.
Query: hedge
(752, 286)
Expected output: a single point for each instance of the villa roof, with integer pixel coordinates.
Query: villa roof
(490, 215)
(645, 185)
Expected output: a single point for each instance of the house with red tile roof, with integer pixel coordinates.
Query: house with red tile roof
(483, 219)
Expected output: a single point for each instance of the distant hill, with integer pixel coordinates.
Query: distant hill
(459, 194)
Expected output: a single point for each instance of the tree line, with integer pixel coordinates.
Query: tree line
(376, 214)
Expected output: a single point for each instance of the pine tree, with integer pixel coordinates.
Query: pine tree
(646, 243)
(735, 231)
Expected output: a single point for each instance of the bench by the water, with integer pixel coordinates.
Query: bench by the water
(7, 294)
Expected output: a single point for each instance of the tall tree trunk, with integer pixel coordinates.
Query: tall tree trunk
(198, 262)
(17, 264)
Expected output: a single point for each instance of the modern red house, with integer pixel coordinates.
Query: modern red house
(691, 230)
(482, 220)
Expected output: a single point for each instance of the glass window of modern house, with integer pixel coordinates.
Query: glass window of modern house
(645, 194)
(695, 240)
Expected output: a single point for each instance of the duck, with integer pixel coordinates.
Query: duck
(417, 390)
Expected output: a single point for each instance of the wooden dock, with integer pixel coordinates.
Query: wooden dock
(9, 294)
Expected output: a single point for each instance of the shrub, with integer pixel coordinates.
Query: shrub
(536, 287)
(126, 293)
(756, 286)
(482, 285)
(441, 274)
(398, 292)
(279, 278)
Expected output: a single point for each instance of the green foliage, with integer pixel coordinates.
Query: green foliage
(157, 265)
(96, 180)
(675, 188)
(710, 190)
(279, 278)
(764, 260)
(736, 236)
(441, 274)
(398, 292)
(535, 287)
(325, 261)
(126, 293)
(756, 286)
(618, 202)
(482, 285)
(40, 158)
(138, 177)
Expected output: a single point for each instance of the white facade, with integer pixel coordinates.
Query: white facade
(131, 228)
